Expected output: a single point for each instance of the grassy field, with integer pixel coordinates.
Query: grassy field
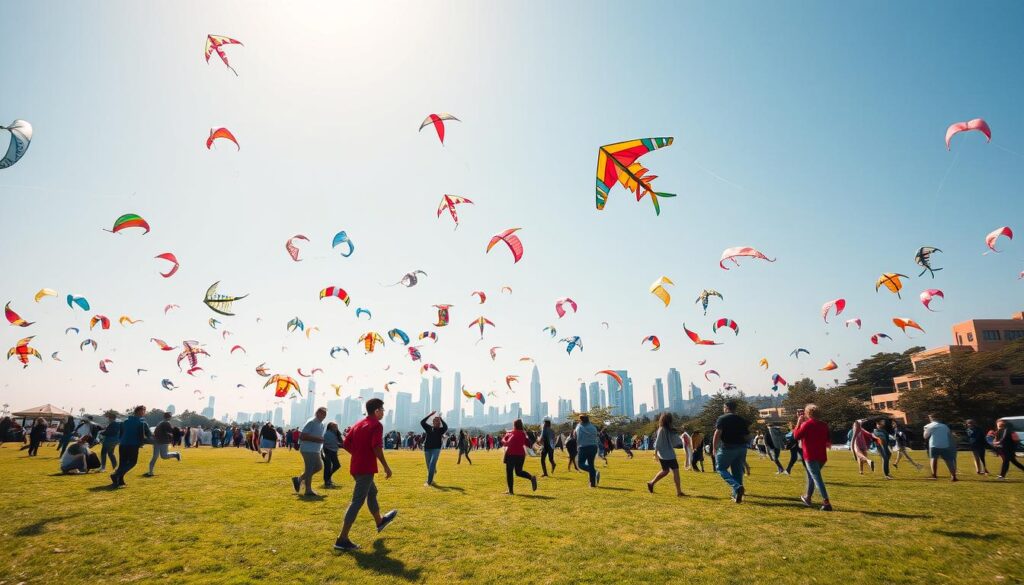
(223, 516)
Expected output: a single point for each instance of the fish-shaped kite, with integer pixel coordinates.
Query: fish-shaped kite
(438, 121)
(219, 303)
(216, 43)
(23, 350)
(617, 163)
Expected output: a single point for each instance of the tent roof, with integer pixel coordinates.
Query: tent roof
(45, 411)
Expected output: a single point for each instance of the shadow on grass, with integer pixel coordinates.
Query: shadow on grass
(312, 498)
(854, 485)
(448, 488)
(37, 527)
(967, 535)
(615, 489)
(774, 504)
(535, 496)
(378, 561)
(888, 514)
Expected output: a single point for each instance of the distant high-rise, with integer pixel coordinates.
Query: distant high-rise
(694, 393)
(515, 411)
(659, 395)
(310, 403)
(615, 393)
(208, 411)
(675, 391)
(583, 397)
(535, 407)
(595, 395)
(478, 413)
(278, 417)
(604, 398)
(403, 411)
(456, 417)
(565, 406)
(423, 406)
(627, 397)
(435, 395)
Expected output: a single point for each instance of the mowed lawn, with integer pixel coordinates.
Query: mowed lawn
(223, 516)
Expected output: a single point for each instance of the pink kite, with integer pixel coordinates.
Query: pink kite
(215, 43)
(438, 121)
(741, 251)
(709, 372)
(481, 294)
(515, 245)
(449, 202)
(839, 305)
(173, 260)
(928, 295)
(854, 321)
(975, 124)
(696, 338)
(560, 306)
(169, 307)
(990, 240)
(292, 249)
(877, 336)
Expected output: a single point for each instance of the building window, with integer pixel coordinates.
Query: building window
(990, 335)
(1017, 380)
(970, 338)
(959, 339)
(915, 384)
(1014, 334)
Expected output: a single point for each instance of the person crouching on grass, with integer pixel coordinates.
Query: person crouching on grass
(665, 453)
(365, 444)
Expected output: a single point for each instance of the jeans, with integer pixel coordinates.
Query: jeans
(514, 465)
(586, 462)
(794, 455)
(814, 479)
(886, 455)
(107, 450)
(730, 460)
(364, 491)
(431, 456)
(547, 454)
(64, 440)
(775, 452)
(160, 450)
(331, 464)
(1008, 459)
(129, 455)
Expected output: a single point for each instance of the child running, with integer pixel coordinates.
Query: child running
(665, 453)
(365, 443)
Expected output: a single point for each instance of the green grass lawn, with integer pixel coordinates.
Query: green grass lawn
(223, 516)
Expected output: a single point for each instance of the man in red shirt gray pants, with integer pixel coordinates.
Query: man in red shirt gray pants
(365, 444)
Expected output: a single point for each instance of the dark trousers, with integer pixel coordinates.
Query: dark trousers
(129, 457)
(794, 455)
(776, 452)
(514, 465)
(107, 450)
(572, 460)
(547, 454)
(331, 464)
(1008, 459)
(33, 447)
(979, 452)
(464, 451)
(886, 455)
(586, 462)
(697, 459)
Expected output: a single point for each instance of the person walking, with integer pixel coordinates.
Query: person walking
(976, 439)
(860, 442)
(515, 442)
(464, 446)
(332, 442)
(571, 449)
(665, 453)
(813, 435)
(774, 439)
(903, 447)
(162, 437)
(941, 444)
(67, 432)
(729, 444)
(433, 435)
(687, 448)
(365, 443)
(1006, 443)
(882, 438)
(547, 447)
(795, 452)
(587, 438)
(697, 457)
(268, 441)
(134, 432)
(310, 442)
(36, 436)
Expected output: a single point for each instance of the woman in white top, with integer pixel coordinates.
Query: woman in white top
(665, 453)
(687, 448)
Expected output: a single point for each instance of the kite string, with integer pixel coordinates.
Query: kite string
(1004, 149)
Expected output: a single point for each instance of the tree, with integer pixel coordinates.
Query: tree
(965, 385)
(705, 421)
(840, 406)
(876, 372)
(799, 394)
(601, 416)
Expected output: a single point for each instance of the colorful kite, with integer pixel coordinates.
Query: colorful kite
(103, 322)
(283, 385)
(14, 318)
(612, 374)
(438, 121)
(828, 367)
(425, 367)
(219, 303)
(655, 342)
(777, 381)
(572, 343)
(396, 334)
(480, 322)
(705, 297)
(129, 220)
(238, 347)
(414, 353)
(362, 311)
(928, 295)
(709, 372)
(763, 363)
(24, 351)
(515, 245)
(45, 292)
(370, 340)
(990, 240)
(449, 202)
(796, 352)
(442, 315)
(854, 321)
(561, 303)
(480, 294)
(891, 281)
(170, 258)
(125, 320)
(696, 338)
(342, 238)
(877, 336)
(904, 323)
(337, 389)
(479, 396)
(295, 323)
(975, 124)
(191, 352)
(292, 249)
(81, 302)
(838, 304)
(311, 330)
(526, 358)
(741, 252)
(509, 379)
(337, 292)
(262, 370)
(21, 138)
(725, 323)
(428, 335)
(336, 349)
(658, 289)
(923, 258)
(617, 163)
(103, 365)
(213, 323)
(216, 43)
(81, 346)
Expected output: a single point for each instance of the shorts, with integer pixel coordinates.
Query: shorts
(312, 462)
(667, 464)
(948, 454)
(267, 443)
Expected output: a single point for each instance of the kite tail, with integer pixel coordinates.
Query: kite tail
(236, 75)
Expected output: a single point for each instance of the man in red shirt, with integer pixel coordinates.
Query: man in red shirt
(365, 443)
(813, 434)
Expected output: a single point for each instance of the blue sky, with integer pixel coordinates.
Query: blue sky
(813, 132)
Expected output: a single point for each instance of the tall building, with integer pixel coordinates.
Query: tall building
(583, 397)
(403, 411)
(296, 411)
(515, 411)
(310, 404)
(659, 395)
(595, 395)
(435, 395)
(565, 406)
(615, 393)
(694, 393)
(535, 414)
(208, 411)
(478, 412)
(456, 416)
(675, 391)
(627, 397)
(278, 417)
(423, 406)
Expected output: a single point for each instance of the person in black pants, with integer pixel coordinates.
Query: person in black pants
(515, 442)
(697, 458)
(463, 448)
(976, 439)
(134, 431)
(1007, 448)
(36, 436)
(547, 449)
(571, 450)
(794, 453)
(332, 442)
(433, 435)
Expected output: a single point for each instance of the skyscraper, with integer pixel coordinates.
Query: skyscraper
(435, 395)
(595, 395)
(478, 413)
(423, 406)
(694, 393)
(583, 397)
(565, 406)
(659, 395)
(675, 391)
(403, 411)
(535, 414)
(278, 417)
(208, 411)
(310, 403)
(604, 398)
(456, 417)
(615, 393)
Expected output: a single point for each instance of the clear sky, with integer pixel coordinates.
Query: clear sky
(812, 131)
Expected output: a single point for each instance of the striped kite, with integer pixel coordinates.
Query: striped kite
(370, 340)
(515, 245)
(616, 163)
(282, 385)
(725, 323)
(101, 320)
(428, 335)
(337, 292)
(480, 322)
(216, 43)
(655, 342)
(449, 202)
(438, 121)
(129, 220)
(24, 351)
(14, 318)
(442, 315)
(219, 303)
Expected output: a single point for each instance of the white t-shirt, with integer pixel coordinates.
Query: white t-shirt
(316, 428)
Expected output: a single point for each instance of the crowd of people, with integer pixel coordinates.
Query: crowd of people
(808, 440)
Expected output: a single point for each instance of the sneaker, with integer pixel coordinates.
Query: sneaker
(295, 484)
(650, 487)
(344, 544)
(533, 480)
(786, 472)
(178, 455)
(738, 498)
(826, 507)
(895, 465)
(1000, 477)
(889, 477)
(597, 480)
(103, 469)
(387, 519)
(806, 501)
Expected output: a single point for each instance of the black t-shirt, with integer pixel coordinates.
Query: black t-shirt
(268, 432)
(734, 429)
(432, 438)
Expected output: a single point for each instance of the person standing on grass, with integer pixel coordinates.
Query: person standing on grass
(697, 457)
(813, 435)
(665, 453)
(860, 442)
(162, 437)
(36, 436)
(433, 435)
(976, 439)
(587, 438)
(729, 444)
(463, 446)
(687, 448)
(268, 441)
(365, 443)
(310, 442)
(67, 432)
(903, 447)
(134, 431)
(547, 447)
(882, 438)
(571, 450)
(515, 442)
(941, 443)
(775, 439)
(332, 442)
(1007, 445)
